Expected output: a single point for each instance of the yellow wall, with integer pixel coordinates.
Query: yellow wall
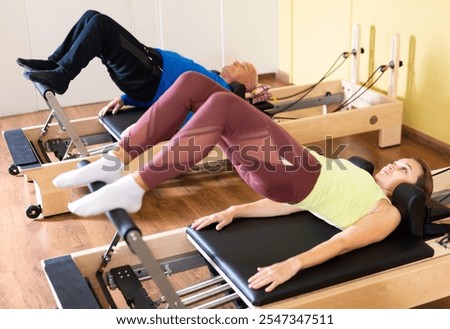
(317, 31)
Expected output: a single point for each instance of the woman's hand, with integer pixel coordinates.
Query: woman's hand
(114, 106)
(260, 208)
(274, 275)
(223, 218)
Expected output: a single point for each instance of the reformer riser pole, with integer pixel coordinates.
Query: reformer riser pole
(49, 96)
(64, 120)
(356, 47)
(395, 62)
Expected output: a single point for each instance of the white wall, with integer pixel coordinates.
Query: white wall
(212, 32)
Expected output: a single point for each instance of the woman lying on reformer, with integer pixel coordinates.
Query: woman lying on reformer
(289, 176)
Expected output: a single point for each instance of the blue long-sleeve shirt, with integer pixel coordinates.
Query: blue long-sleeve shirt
(173, 66)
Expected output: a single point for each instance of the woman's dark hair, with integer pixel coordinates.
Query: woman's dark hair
(425, 181)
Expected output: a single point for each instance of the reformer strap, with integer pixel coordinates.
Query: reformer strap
(142, 56)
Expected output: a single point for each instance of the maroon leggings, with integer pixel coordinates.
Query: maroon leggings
(253, 143)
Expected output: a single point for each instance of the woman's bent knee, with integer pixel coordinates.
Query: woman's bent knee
(191, 77)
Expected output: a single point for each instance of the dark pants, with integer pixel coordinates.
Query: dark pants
(127, 60)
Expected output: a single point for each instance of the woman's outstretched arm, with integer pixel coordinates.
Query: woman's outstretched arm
(369, 229)
(260, 208)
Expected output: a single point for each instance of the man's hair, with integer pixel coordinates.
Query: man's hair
(425, 181)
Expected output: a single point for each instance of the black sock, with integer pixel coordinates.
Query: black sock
(56, 79)
(37, 64)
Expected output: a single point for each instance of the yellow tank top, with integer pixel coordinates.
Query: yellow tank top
(343, 192)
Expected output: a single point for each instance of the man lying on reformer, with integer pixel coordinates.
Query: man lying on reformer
(141, 72)
(290, 177)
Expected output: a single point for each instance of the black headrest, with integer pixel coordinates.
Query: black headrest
(410, 200)
(236, 87)
(362, 163)
(407, 198)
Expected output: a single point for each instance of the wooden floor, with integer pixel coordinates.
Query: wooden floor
(176, 203)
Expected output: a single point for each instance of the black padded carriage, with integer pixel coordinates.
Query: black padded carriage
(248, 243)
(116, 124)
(237, 250)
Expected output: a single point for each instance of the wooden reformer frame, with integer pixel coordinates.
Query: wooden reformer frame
(404, 287)
(160, 255)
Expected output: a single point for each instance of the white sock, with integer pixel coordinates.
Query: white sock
(125, 193)
(107, 169)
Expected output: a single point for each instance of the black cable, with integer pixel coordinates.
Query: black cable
(308, 90)
(330, 71)
(349, 100)
(382, 68)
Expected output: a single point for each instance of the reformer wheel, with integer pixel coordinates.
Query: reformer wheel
(33, 211)
(13, 170)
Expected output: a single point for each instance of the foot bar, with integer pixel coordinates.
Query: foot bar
(42, 88)
(128, 230)
(119, 217)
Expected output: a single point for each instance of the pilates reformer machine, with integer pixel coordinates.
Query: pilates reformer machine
(408, 268)
(42, 152)
(334, 109)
